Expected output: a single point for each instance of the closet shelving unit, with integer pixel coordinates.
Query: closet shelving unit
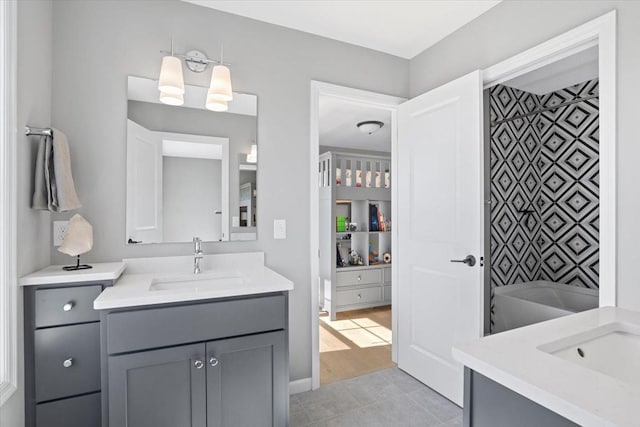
(349, 184)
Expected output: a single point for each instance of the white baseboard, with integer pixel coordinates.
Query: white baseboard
(299, 386)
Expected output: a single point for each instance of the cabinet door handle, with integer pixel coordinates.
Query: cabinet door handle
(67, 362)
(68, 306)
(198, 364)
(213, 362)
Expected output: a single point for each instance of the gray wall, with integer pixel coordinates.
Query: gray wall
(510, 28)
(192, 192)
(240, 129)
(97, 44)
(34, 108)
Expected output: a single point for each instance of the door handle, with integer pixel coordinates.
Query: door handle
(470, 260)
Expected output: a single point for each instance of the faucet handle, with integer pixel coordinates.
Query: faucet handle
(197, 244)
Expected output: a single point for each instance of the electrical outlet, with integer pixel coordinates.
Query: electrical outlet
(59, 230)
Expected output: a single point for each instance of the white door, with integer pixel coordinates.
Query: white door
(439, 184)
(144, 184)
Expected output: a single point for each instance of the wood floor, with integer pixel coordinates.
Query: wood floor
(356, 343)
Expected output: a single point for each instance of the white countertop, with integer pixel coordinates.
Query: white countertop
(584, 396)
(133, 288)
(54, 274)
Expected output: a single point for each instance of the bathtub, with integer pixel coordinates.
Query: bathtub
(532, 302)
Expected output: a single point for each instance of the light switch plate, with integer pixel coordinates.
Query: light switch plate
(279, 229)
(59, 230)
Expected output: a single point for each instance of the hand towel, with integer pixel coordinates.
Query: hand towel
(54, 189)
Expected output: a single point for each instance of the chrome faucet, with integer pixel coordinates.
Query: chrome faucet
(197, 255)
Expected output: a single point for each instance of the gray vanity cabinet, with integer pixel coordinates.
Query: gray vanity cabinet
(216, 363)
(62, 355)
(158, 388)
(242, 375)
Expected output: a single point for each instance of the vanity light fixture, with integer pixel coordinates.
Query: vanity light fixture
(169, 99)
(171, 81)
(370, 126)
(252, 157)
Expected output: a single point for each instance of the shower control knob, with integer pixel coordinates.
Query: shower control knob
(470, 260)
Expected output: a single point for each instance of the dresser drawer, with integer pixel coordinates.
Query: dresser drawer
(387, 274)
(386, 292)
(366, 295)
(83, 411)
(358, 277)
(63, 306)
(67, 361)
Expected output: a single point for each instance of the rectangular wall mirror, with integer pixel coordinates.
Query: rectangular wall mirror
(191, 172)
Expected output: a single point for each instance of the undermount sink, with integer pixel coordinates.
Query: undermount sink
(612, 349)
(199, 282)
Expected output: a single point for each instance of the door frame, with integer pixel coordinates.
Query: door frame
(362, 98)
(599, 32)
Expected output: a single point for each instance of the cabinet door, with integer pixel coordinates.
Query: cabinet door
(247, 381)
(158, 388)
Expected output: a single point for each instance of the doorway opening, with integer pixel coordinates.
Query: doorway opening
(542, 185)
(354, 174)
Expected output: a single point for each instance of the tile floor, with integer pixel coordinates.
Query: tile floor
(387, 398)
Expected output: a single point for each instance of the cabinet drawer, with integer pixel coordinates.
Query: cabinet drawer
(63, 306)
(387, 275)
(79, 347)
(386, 292)
(359, 296)
(83, 411)
(358, 277)
(181, 324)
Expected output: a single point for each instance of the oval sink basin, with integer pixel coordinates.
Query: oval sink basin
(196, 282)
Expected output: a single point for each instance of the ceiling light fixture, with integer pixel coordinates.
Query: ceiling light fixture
(370, 126)
(171, 81)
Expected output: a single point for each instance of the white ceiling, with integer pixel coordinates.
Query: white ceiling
(558, 75)
(338, 121)
(402, 28)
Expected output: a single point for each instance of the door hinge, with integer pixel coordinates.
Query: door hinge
(481, 261)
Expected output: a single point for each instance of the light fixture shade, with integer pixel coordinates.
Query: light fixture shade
(216, 104)
(169, 99)
(220, 87)
(252, 157)
(370, 126)
(171, 81)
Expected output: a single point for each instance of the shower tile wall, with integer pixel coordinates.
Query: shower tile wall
(544, 187)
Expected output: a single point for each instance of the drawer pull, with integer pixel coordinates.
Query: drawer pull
(67, 363)
(68, 306)
(213, 362)
(359, 278)
(359, 296)
(198, 364)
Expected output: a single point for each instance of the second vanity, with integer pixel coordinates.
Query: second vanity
(178, 348)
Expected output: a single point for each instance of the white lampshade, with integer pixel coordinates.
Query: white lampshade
(171, 81)
(216, 104)
(220, 87)
(252, 157)
(170, 99)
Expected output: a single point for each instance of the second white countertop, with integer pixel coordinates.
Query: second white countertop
(584, 396)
